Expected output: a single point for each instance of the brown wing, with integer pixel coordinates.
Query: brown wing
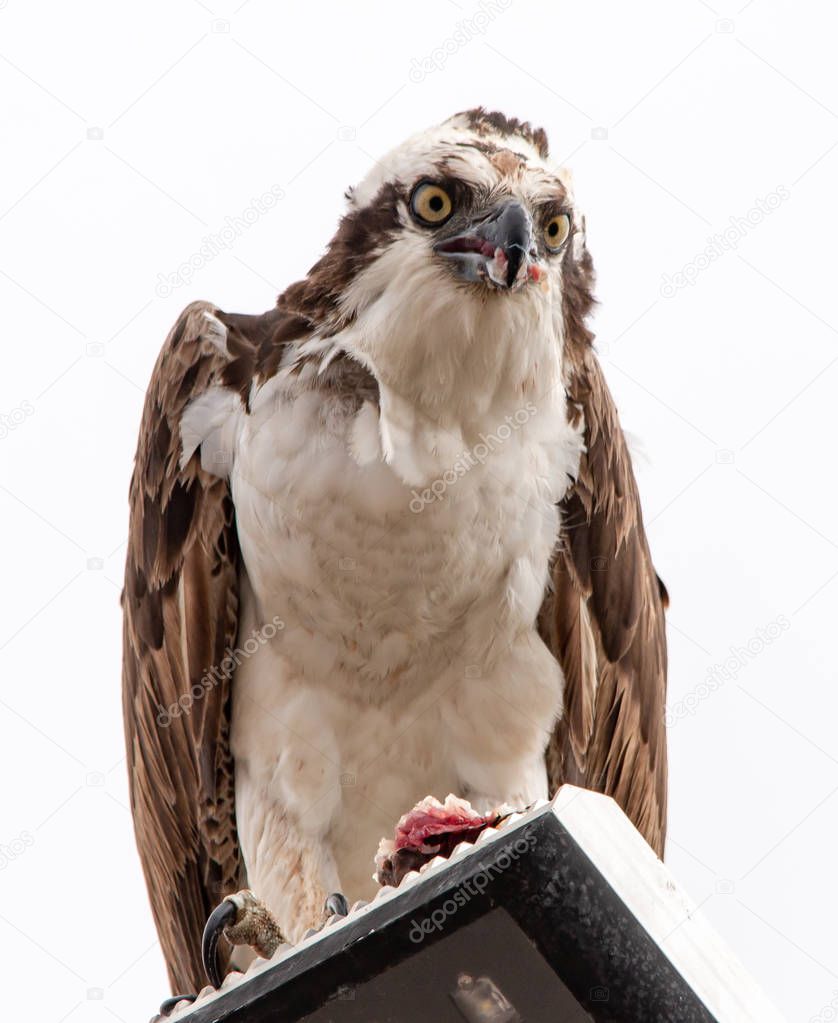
(180, 616)
(604, 622)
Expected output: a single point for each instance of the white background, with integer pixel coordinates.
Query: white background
(729, 383)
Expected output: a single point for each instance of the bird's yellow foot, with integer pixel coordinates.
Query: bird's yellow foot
(244, 920)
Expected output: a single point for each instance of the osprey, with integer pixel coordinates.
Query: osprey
(385, 542)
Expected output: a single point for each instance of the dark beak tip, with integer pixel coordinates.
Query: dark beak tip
(515, 255)
(511, 229)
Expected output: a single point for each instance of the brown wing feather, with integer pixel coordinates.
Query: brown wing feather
(180, 616)
(603, 617)
(604, 622)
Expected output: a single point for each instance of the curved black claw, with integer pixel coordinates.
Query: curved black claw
(336, 905)
(222, 916)
(167, 1006)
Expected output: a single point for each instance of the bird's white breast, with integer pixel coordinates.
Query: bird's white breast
(408, 663)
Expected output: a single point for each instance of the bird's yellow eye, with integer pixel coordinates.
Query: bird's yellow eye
(556, 231)
(431, 203)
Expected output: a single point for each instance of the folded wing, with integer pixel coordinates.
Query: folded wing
(180, 606)
(604, 621)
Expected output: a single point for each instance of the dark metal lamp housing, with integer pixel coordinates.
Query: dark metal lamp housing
(560, 914)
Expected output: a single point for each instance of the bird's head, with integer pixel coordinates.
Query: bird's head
(475, 203)
(460, 264)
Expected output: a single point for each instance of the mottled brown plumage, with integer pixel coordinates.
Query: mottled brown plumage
(180, 616)
(604, 618)
(604, 622)
(492, 121)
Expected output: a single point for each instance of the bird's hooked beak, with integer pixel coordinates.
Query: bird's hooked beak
(496, 246)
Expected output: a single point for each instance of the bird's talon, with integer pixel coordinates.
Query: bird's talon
(243, 920)
(336, 905)
(168, 1005)
(219, 920)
